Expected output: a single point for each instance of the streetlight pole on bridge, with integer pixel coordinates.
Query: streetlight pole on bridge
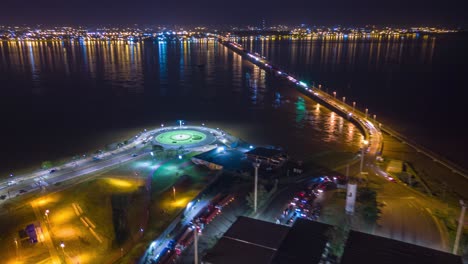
(461, 223)
(364, 145)
(256, 165)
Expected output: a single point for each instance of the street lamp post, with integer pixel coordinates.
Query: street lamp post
(334, 94)
(354, 106)
(47, 216)
(367, 110)
(344, 99)
(62, 245)
(173, 192)
(461, 222)
(364, 145)
(195, 244)
(256, 165)
(375, 117)
(16, 244)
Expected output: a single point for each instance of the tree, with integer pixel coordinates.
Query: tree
(47, 164)
(366, 195)
(262, 197)
(371, 213)
(180, 150)
(370, 209)
(157, 148)
(337, 236)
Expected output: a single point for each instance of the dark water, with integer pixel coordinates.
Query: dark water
(417, 85)
(63, 98)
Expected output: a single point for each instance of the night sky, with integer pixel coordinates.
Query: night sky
(241, 12)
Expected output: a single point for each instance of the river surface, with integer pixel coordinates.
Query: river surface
(59, 99)
(417, 85)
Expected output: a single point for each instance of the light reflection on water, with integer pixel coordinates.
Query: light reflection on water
(144, 84)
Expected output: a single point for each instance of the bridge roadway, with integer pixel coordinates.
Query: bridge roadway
(359, 118)
(399, 220)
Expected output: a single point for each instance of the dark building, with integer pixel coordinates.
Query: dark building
(365, 248)
(267, 156)
(250, 241)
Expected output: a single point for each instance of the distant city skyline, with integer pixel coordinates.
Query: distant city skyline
(210, 12)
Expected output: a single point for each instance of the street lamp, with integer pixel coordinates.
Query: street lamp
(461, 222)
(354, 106)
(334, 94)
(375, 116)
(367, 110)
(173, 192)
(47, 215)
(344, 99)
(195, 244)
(16, 244)
(62, 245)
(364, 145)
(256, 165)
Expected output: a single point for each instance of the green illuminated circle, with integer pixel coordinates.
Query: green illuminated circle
(180, 137)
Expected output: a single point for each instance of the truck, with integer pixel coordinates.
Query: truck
(227, 199)
(210, 214)
(31, 231)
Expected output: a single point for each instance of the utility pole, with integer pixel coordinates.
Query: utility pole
(461, 222)
(347, 172)
(195, 245)
(256, 165)
(364, 145)
(16, 244)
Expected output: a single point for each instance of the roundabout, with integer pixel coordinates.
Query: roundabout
(186, 137)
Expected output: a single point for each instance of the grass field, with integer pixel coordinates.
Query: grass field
(180, 137)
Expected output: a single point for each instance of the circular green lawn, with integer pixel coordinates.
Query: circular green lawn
(180, 137)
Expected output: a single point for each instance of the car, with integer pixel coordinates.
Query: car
(134, 155)
(22, 191)
(2, 197)
(52, 171)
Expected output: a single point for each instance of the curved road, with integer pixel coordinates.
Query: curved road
(406, 215)
(42, 178)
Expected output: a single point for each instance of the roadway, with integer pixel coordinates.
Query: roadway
(42, 178)
(407, 215)
(73, 169)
